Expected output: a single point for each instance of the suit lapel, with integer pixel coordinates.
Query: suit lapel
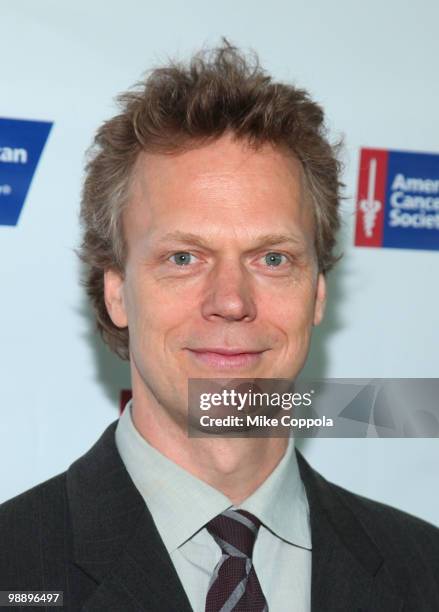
(348, 571)
(115, 541)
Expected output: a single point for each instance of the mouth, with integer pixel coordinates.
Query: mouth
(226, 358)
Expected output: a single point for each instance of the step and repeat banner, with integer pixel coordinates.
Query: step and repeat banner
(373, 68)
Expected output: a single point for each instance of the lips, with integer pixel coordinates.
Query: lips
(226, 351)
(226, 358)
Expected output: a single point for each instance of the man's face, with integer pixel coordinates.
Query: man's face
(221, 278)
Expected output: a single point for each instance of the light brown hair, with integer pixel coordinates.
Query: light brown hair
(181, 105)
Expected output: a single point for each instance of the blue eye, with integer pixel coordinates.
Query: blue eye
(182, 258)
(274, 259)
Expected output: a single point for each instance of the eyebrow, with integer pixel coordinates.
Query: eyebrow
(264, 240)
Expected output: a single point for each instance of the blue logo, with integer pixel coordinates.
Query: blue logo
(21, 144)
(413, 197)
(398, 200)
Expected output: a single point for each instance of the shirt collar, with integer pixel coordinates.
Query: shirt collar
(181, 504)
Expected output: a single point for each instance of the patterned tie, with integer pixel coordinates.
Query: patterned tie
(234, 584)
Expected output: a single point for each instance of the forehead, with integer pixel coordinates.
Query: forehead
(225, 184)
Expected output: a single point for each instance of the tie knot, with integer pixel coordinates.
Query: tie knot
(235, 531)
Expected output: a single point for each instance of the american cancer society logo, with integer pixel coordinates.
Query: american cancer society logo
(398, 200)
(21, 144)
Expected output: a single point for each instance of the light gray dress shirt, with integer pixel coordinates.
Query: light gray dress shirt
(181, 504)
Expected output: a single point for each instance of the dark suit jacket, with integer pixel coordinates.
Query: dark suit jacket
(87, 532)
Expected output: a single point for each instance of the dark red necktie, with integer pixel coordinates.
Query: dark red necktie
(234, 584)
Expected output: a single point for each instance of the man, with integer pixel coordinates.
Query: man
(209, 209)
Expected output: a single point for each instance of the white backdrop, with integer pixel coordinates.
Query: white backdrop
(373, 66)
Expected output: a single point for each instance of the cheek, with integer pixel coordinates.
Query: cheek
(291, 319)
(292, 310)
(154, 315)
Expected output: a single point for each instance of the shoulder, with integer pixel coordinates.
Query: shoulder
(33, 531)
(384, 517)
(31, 498)
(385, 541)
(402, 539)
(384, 524)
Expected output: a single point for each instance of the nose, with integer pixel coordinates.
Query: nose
(229, 293)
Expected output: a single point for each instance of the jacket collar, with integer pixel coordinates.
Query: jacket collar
(116, 543)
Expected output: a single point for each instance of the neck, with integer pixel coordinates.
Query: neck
(234, 466)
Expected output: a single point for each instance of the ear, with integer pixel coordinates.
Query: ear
(114, 297)
(320, 303)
